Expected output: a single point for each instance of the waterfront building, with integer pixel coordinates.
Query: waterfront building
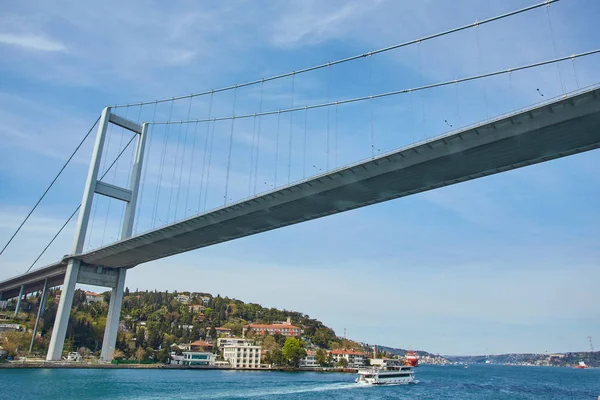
(310, 361)
(225, 341)
(175, 359)
(201, 358)
(200, 345)
(242, 355)
(355, 358)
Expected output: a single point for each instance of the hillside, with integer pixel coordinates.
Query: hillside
(152, 322)
(592, 359)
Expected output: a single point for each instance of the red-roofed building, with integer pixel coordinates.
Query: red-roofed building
(91, 297)
(223, 332)
(282, 328)
(310, 361)
(200, 345)
(355, 358)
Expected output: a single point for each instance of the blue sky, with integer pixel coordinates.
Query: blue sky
(507, 263)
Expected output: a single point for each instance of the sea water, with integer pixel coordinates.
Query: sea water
(435, 382)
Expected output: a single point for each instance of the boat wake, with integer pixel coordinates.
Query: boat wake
(287, 390)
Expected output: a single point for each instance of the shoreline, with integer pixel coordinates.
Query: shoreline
(75, 365)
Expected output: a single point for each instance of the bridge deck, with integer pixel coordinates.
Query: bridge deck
(558, 129)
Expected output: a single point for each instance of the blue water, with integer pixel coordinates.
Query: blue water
(450, 382)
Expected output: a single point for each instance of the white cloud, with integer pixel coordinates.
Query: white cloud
(313, 22)
(32, 42)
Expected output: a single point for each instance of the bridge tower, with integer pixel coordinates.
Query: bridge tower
(77, 272)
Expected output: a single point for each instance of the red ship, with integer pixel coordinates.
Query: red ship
(411, 359)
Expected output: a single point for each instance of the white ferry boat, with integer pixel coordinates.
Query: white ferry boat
(391, 372)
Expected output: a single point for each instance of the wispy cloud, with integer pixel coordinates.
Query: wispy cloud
(30, 41)
(313, 22)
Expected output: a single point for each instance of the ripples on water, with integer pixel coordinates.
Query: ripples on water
(477, 382)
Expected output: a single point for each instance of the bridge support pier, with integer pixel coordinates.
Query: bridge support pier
(112, 320)
(92, 274)
(19, 301)
(59, 331)
(40, 312)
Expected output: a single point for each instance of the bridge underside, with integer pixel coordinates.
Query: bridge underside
(554, 130)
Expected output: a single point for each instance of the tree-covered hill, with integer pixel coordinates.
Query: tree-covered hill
(153, 321)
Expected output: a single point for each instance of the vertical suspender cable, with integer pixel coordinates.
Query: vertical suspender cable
(290, 143)
(421, 93)
(487, 112)
(328, 112)
(187, 127)
(230, 148)
(304, 157)
(370, 61)
(145, 172)
(251, 169)
(412, 116)
(575, 72)
(212, 137)
(512, 94)
(189, 182)
(172, 182)
(335, 137)
(160, 170)
(562, 85)
(258, 138)
(457, 103)
(207, 134)
(277, 149)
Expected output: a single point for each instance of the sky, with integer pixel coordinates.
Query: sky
(506, 263)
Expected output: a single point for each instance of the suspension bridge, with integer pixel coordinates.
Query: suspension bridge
(274, 167)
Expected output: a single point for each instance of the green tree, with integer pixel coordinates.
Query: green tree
(276, 357)
(292, 351)
(140, 354)
(342, 363)
(322, 358)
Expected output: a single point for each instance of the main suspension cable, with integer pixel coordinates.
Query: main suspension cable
(392, 93)
(79, 206)
(344, 60)
(50, 186)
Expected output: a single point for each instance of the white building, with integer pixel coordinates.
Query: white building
(92, 297)
(182, 298)
(198, 358)
(310, 361)
(10, 328)
(242, 355)
(225, 341)
(355, 358)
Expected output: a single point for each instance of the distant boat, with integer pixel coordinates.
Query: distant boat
(411, 359)
(581, 365)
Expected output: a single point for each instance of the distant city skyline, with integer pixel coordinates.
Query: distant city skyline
(502, 264)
